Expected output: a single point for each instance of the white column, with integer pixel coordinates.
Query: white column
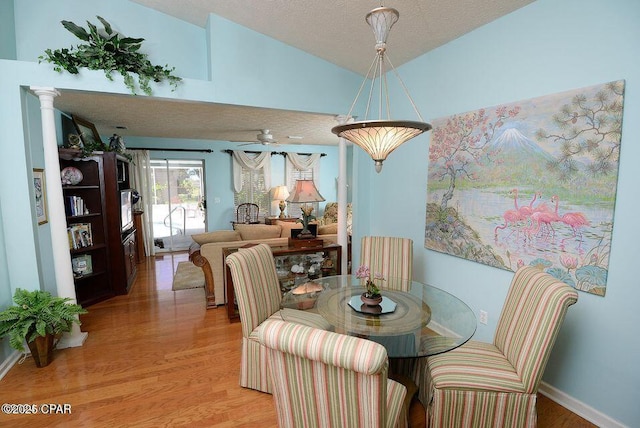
(56, 212)
(343, 238)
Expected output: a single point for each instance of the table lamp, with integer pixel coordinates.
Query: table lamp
(304, 192)
(281, 194)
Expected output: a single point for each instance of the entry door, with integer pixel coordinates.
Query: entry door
(178, 202)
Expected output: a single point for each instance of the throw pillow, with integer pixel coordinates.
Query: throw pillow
(216, 236)
(287, 226)
(258, 231)
(328, 229)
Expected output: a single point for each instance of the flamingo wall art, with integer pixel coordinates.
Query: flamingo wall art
(530, 183)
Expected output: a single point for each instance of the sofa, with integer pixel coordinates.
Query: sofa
(206, 250)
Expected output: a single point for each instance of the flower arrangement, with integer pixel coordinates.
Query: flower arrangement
(363, 272)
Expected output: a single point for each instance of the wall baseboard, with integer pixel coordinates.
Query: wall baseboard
(578, 407)
(9, 362)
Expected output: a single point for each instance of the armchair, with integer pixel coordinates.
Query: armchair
(495, 384)
(257, 290)
(326, 379)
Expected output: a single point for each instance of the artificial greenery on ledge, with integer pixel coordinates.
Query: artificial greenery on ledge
(110, 51)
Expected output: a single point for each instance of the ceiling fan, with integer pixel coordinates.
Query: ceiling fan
(264, 137)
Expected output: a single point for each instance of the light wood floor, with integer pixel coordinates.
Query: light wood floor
(157, 358)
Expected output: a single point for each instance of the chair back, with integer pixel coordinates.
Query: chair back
(247, 213)
(390, 256)
(532, 315)
(325, 379)
(256, 285)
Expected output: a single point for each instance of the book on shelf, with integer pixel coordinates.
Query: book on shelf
(81, 265)
(75, 206)
(79, 235)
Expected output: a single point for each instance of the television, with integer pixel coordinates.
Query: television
(126, 210)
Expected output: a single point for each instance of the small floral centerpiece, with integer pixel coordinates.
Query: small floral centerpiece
(372, 296)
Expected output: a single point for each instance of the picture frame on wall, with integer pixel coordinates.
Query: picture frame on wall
(40, 194)
(88, 133)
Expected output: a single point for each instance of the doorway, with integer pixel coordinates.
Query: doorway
(178, 202)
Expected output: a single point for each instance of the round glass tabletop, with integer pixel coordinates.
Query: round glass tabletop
(413, 320)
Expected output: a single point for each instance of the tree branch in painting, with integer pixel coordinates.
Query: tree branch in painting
(463, 142)
(588, 128)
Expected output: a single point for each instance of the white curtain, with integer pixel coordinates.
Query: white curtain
(243, 160)
(140, 170)
(295, 161)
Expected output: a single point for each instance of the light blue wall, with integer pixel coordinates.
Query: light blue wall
(167, 40)
(5, 288)
(7, 30)
(42, 233)
(252, 69)
(547, 47)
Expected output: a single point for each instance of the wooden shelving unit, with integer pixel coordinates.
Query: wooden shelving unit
(102, 259)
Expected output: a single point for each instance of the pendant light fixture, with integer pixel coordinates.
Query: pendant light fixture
(381, 136)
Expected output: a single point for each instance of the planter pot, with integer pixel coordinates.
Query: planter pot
(42, 350)
(371, 301)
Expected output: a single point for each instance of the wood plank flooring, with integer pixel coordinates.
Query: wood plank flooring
(157, 358)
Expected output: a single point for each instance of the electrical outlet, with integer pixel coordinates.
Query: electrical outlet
(484, 317)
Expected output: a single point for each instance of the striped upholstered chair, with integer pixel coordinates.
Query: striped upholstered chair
(324, 379)
(483, 384)
(390, 256)
(393, 258)
(258, 295)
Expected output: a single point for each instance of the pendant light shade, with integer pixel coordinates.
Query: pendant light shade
(380, 137)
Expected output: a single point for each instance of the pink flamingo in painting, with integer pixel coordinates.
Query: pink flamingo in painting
(511, 217)
(526, 211)
(575, 220)
(542, 219)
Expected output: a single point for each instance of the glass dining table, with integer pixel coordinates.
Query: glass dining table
(413, 320)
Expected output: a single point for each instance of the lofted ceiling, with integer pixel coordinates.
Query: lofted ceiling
(334, 30)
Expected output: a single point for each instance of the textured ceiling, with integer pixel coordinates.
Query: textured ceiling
(334, 30)
(152, 117)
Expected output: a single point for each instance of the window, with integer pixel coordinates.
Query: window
(253, 190)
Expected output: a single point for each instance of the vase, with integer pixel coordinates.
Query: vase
(371, 301)
(42, 350)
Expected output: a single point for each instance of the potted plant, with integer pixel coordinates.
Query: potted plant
(106, 49)
(372, 296)
(38, 318)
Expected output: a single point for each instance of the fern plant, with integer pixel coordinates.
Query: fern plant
(108, 50)
(37, 313)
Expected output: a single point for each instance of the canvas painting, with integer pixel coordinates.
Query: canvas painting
(530, 183)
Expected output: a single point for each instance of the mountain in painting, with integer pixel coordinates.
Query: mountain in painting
(514, 144)
(515, 159)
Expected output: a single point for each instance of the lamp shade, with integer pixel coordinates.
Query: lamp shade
(305, 191)
(281, 193)
(380, 137)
